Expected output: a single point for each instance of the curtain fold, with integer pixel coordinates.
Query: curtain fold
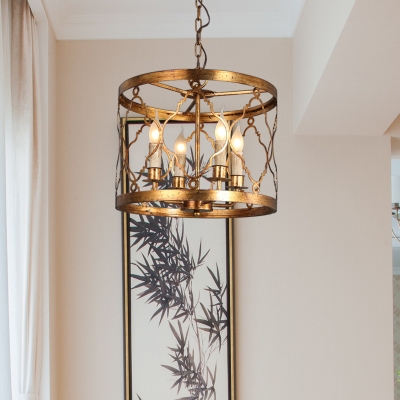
(24, 211)
(5, 125)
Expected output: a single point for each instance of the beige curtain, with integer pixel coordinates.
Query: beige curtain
(5, 126)
(24, 211)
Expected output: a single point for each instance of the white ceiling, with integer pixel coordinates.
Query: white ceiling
(140, 19)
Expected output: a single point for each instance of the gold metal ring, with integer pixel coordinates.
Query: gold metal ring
(133, 203)
(198, 74)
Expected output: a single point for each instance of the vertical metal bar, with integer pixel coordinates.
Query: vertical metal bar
(127, 311)
(230, 238)
(197, 160)
(231, 308)
(126, 273)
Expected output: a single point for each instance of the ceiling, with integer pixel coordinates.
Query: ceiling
(140, 19)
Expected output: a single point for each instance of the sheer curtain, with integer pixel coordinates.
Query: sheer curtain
(23, 215)
(5, 126)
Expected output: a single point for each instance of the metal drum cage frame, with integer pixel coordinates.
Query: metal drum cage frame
(183, 197)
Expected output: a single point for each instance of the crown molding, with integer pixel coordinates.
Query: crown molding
(245, 24)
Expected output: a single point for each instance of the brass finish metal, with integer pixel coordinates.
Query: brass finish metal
(168, 87)
(220, 172)
(154, 174)
(184, 198)
(197, 75)
(256, 204)
(197, 138)
(185, 190)
(237, 181)
(126, 288)
(178, 182)
(196, 205)
(206, 93)
(232, 202)
(232, 308)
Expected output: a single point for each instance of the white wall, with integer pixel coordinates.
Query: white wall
(347, 75)
(317, 32)
(314, 281)
(319, 274)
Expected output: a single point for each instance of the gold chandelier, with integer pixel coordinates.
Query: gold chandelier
(211, 183)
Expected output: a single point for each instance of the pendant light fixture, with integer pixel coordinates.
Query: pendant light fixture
(211, 181)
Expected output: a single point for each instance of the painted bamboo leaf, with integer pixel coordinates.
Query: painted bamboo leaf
(164, 277)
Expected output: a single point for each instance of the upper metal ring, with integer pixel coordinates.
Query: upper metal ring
(198, 74)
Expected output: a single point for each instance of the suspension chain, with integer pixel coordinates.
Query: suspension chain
(198, 25)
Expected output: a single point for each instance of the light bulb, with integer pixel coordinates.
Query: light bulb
(220, 130)
(237, 141)
(180, 144)
(154, 147)
(154, 133)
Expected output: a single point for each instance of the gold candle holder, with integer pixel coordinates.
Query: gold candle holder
(220, 172)
(154, 174)
(237, 181)
(178, 182)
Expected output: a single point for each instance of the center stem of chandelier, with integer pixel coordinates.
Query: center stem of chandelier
(197, 144)
(157, 180)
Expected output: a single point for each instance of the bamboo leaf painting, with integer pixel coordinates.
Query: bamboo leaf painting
(179, 308)
(164, 276)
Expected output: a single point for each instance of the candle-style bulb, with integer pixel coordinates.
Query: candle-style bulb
(220, 130)
(180, 151)
(237, 141)
(154, 133)
(180, 144)
(154, 147)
